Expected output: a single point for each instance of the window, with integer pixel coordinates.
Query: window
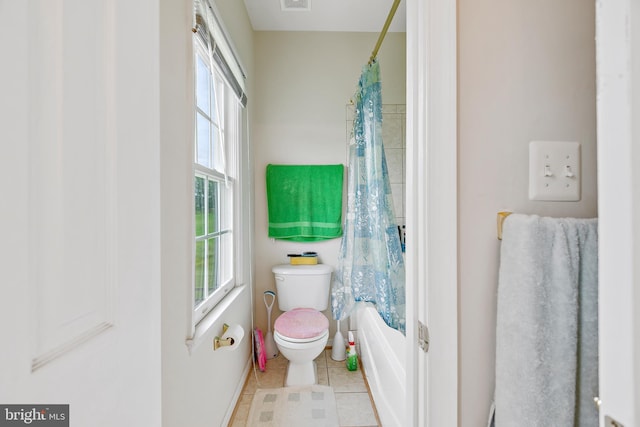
(217, 138)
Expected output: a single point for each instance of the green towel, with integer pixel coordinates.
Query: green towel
(305, 202)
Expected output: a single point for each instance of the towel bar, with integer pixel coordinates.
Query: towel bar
(502, 215)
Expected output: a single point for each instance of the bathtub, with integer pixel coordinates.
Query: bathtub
(382, 350)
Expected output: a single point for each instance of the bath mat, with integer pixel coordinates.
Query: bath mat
(312, 406)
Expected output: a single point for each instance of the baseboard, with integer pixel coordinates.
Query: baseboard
(236, 395)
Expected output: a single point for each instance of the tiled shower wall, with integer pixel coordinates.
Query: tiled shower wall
(393, 138)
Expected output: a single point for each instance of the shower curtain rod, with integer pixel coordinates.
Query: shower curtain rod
(383, 33)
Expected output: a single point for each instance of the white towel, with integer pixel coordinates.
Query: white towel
(547, 320)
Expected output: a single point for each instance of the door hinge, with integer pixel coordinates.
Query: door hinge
(423, 336)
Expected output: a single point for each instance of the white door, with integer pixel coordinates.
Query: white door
(79, 223)
(432, 279)
(618, 75)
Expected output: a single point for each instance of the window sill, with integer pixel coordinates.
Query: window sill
(204, 330)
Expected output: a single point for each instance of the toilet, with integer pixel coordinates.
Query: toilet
(302, 331)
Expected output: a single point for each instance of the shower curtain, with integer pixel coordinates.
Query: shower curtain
(370, 264)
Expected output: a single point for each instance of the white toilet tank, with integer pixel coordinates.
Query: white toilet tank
(303, 286)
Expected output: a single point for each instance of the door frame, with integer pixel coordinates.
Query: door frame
(618, 124)
(432, 212)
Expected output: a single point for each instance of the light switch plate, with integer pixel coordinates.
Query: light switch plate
(554, 171)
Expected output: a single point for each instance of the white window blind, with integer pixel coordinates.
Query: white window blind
(211, 30)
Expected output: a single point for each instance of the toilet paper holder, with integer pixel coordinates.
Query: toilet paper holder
(223, 342)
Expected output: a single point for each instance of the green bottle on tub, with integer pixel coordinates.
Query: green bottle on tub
(352, 357)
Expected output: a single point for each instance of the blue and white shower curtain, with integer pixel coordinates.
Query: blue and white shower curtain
(370, 264)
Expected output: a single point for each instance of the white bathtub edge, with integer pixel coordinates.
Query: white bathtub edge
(381, 353)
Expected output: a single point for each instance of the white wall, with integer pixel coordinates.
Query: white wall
(303, 82)
(199, 389)
(526, 72)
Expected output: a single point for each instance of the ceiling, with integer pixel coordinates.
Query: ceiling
(325, 15)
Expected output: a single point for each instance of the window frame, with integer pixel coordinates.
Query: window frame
(227, 182)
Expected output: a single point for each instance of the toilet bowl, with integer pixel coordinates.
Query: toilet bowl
(301, 332)
(301, 335)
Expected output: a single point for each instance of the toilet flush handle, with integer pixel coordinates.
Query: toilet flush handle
(280, 278)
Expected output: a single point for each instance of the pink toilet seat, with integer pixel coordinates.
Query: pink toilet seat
(301, 324)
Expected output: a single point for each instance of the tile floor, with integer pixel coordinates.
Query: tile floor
(355, 406)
